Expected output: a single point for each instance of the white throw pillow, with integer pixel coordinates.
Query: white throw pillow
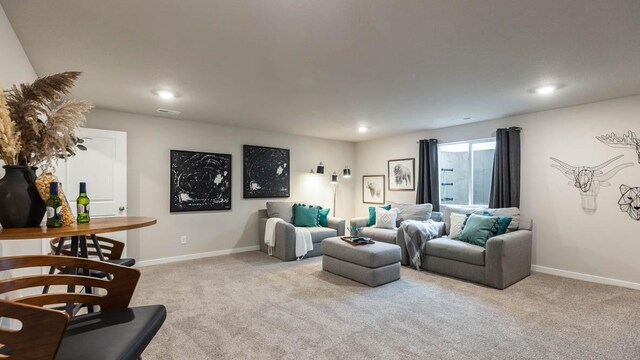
(457, 223)
(386, 219)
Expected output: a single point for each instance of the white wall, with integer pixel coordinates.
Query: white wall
(15, 68)
(605, 243)
(151, 138)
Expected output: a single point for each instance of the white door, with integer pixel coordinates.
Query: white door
(103, 166)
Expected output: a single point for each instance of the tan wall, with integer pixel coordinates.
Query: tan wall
(151, 138)
(15, 68)
(605, 243)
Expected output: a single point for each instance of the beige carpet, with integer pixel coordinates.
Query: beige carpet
(251, 306)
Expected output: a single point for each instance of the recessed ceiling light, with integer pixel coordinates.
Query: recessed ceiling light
(363, 129)
(545, 90)
(166, 94)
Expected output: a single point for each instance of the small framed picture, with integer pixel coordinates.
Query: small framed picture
(373, 189)
(402, 175)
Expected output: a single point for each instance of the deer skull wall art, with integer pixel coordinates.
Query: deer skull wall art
(589, 179)
(628, 140)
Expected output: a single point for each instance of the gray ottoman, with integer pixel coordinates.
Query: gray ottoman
(373, 264)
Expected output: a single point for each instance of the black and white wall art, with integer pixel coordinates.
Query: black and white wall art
(628, 140)
(266, 172)
(373, 189)
(200, 181)
(630, 201)
(589, 179)
(401, 174)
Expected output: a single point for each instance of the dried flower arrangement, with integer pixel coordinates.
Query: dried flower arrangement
(37, 126)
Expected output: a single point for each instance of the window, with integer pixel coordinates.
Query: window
(466, 169)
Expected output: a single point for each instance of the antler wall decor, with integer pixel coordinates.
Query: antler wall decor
(628, 140)
(589, 179)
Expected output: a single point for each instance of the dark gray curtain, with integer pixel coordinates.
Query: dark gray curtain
(428, 187)
(505, 184)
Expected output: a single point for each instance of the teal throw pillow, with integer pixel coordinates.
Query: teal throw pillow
(372, 214)
(305, 216)
(324, 214)
(478, 229)
(503, 222)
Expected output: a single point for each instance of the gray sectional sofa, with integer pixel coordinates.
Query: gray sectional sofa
(285, 236)
(505, 260)
(407, 212)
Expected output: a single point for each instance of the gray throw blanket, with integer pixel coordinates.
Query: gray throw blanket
(416, 235)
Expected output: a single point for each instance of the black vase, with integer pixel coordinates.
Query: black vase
(20, 203)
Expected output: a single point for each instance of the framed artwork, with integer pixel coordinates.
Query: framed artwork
(200, 181)
(373, 189)
(265, 172)
(402, 174)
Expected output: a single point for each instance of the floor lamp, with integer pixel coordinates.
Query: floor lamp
(346, 173)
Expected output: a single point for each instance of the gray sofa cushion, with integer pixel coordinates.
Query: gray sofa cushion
(514, 212)
(280, 209)
(456, 250)
(320, 233)
(371, 256)
(384, 235)
(448, 209)
(419, 212)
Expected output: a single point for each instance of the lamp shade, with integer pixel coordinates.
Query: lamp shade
(334, 178)
(320, 168)
(346, 173)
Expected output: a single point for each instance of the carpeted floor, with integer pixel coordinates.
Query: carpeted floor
(251, 306)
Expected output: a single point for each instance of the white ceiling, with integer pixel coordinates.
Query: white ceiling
(323, 67)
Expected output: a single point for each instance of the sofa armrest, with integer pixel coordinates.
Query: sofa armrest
(337, 224)
(508, 258)
(359, 221)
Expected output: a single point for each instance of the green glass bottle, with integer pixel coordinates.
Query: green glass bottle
(54, 207)
(83, 205)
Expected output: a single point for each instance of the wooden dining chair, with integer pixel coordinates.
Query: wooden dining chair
(116, 331)
(111, 250)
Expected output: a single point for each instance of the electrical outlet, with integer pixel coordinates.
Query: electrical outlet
(183, 239)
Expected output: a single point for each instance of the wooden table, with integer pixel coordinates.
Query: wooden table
(78, 234)
(96, 226)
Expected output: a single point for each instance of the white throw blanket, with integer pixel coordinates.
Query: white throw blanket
(304, 244)
(270, 234)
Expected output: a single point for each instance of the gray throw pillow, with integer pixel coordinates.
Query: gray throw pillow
(418, 212)
(280, 209)
(448, 209)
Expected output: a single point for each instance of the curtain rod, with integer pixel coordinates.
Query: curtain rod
(509, 128)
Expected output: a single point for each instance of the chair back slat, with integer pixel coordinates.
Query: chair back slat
(61, 298)
(119, 289)
(111, 249)
(30, 281)
(41, 333)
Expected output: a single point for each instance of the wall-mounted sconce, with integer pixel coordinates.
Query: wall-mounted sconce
(346, 173)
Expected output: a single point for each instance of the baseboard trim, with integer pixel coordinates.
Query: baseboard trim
(173, 259)
(585, 277)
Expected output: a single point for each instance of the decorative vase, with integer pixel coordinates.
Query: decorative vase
(20, 203)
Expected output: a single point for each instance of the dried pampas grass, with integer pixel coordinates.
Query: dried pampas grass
(10, 144)
(46, 123)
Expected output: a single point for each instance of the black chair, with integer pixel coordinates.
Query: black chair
(116, 331)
